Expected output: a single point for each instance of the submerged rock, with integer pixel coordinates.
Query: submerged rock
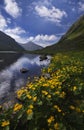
(24, 70)
(43, 57)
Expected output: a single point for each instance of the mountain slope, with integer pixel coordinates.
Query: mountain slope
(8, 44)
(30, 46)
(72, 40)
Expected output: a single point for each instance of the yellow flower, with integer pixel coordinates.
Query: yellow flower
(63, 114)
(58, 109)
(57, 92)
(62, 95)
(55, 106)
(83, 111)
(49, 96)
(56, 126)
(0, 106)
(29, 111)
(45, 85)
(33, 88)
(5, 123)
(44, 92)
(20, 92)
(34, 98)
(17, 107)
(51, 119)
(31, 107)
(72, 107)
(74, 88)
(59, 87)
(28, 96)
(78, 109)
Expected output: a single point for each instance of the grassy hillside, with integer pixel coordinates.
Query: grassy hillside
(8, 44)
(71, 41)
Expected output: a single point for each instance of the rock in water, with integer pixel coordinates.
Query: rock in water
(24, 70)
(43, 57)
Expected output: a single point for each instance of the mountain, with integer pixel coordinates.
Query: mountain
(8, 44)
(71, 41)
(30, 46)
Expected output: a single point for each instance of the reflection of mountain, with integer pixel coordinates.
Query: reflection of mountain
(7, 59)
(30, 56)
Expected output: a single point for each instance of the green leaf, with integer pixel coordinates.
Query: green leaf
(30, 116)
(6, 128)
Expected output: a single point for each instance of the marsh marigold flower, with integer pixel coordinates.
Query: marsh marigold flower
(29, 96)
(56, 126)
(29, 111)
(34, 98)
(49, 96)
(20, 92)
(72, 107)
(78, 109)
(51, 119)
(17, 107)
(44, 92)
(74, 88)
(5, 123)
(58, 109)
(31, 107)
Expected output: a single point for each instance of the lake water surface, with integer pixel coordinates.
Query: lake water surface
(11, 77)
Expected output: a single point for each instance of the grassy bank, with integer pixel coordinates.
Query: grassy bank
(55, 101)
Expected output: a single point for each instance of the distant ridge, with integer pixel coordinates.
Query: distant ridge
(30, 46)
(8, 44)
(72, 40)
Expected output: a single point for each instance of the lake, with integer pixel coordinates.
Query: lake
(11, 77)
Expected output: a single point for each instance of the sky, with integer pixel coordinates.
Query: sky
(40, 21)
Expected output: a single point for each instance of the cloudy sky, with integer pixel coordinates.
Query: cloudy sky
(40, 21)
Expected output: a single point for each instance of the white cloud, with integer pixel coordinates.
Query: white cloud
(42, 3)
(45, 37)
(16, 30)
(3, 22)
(51, 14)
(16, 33)
(17, 37)
(43, 40)
(12, 8)
(81, 6)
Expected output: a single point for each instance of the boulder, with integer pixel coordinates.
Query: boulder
(43, 57)
(24, 70)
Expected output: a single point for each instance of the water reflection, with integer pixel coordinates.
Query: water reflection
(11, 77)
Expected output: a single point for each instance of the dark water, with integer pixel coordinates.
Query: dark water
(11, 78)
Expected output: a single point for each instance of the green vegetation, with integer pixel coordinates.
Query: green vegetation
(54, 102)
